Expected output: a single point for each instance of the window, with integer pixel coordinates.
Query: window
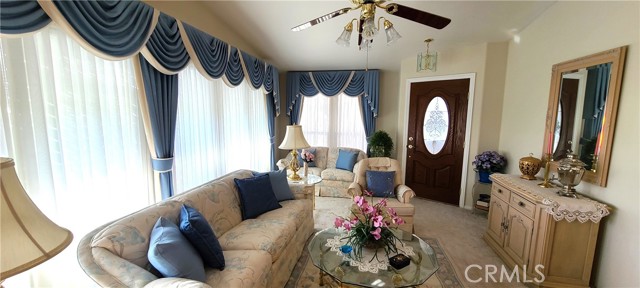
(219, 129)
(333, 121)
(72, 123)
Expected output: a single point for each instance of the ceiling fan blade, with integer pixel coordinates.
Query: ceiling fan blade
(419, 16)
(321, 19)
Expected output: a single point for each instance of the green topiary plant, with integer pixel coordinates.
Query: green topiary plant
(380, 144)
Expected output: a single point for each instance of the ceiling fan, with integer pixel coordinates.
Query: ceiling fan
(366, 25)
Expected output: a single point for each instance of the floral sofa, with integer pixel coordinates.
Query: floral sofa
(259, 252)
(335, 182)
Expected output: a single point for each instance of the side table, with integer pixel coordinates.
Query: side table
(309, 180)
(480, 188)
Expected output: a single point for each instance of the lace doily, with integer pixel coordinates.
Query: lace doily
(561, 208)
(364, 265)
(570, 209)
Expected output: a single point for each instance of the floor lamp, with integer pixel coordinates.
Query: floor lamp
(27, 236)
(294, 140)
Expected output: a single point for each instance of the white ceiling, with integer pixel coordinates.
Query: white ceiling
(267, 25)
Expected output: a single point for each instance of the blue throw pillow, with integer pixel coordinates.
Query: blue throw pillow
(172, 254)
(199, 233)
(256, 196)
(279, 184)
(346, 160)
(310, 164)
(380, 183)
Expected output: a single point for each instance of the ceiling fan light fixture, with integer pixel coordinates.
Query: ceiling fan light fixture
(344, 39)
(392, 33)
(369, 30)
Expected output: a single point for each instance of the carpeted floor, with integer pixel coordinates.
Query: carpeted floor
(454, 233)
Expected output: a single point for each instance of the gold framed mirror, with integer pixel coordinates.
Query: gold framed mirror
(581, 116)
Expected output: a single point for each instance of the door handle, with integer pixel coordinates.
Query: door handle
(410, 146)
(410, 138)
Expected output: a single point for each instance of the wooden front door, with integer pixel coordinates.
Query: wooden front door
(437, 123)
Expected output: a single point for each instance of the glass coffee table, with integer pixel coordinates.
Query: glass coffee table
(338, 266)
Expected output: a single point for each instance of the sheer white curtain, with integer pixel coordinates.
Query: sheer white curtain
(71, 121)
(333, 121)
(219, 129)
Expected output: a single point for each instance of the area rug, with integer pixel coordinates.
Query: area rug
(305, 274)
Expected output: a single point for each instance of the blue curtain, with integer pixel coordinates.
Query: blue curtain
(166, 46)
(117, 28)
(19, 16)
(162, 97)
(124, 28)
(365, 84)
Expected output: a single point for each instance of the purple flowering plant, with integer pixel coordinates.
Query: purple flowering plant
(489, 161)
(369, 225)
(307, 156)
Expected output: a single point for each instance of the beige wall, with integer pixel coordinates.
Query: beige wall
(488, 62)
(565, 31)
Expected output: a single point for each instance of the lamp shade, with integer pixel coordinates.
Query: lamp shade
(27, 236)
(293, 138)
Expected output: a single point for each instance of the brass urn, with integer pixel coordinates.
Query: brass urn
(529, 167)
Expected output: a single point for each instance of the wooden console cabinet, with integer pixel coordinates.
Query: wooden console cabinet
(525, 235)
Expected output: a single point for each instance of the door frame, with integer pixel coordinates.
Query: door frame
(467, 133)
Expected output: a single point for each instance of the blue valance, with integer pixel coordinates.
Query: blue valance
(117, 28)
(234, 73)
(20, 17)
(165, 46)
(365, 84)
(255, 70)
(211, 52)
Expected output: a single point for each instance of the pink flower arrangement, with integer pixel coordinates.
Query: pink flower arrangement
(307, 156)
(370, 225)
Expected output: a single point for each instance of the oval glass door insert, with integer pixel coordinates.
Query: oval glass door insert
(436, 125)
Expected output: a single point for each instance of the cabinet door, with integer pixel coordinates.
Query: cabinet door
(497, 215)
(518, 237)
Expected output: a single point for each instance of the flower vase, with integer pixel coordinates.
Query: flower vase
(306, 169)
(483, 176)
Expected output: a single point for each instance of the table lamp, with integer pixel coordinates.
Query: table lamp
(294, 140)
(27, 236)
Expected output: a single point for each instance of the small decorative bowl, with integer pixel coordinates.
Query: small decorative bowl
(529, 167)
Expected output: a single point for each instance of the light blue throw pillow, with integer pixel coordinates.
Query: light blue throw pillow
(279, 184)
(172, 254)
(346, 160)
(380, 183)
(198, 231)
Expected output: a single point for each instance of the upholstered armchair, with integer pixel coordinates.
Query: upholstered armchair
(403, 194)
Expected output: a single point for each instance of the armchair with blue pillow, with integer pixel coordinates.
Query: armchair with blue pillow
(382, 176)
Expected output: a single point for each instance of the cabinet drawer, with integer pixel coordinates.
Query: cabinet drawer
(525, 206)
(500, 192)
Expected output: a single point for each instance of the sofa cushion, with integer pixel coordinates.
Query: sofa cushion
(292, 212)
(245, 269)
(346, 160)
(279, 184)
(199, 233)
(337, 175)
(270, 235)
(172, 254)
(256, 196)
(380, 183)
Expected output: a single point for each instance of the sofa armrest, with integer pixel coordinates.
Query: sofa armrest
(177, 283)
(282, 163)
(354, 189)
(301, 191)
(404, 193)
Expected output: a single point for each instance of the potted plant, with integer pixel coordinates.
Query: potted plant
(380, 144)
(487, 163)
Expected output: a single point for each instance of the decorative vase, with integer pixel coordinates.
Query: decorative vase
(483, 176)
(306, 169)
(529, 167)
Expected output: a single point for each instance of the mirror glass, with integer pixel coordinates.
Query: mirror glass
(582, 108)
